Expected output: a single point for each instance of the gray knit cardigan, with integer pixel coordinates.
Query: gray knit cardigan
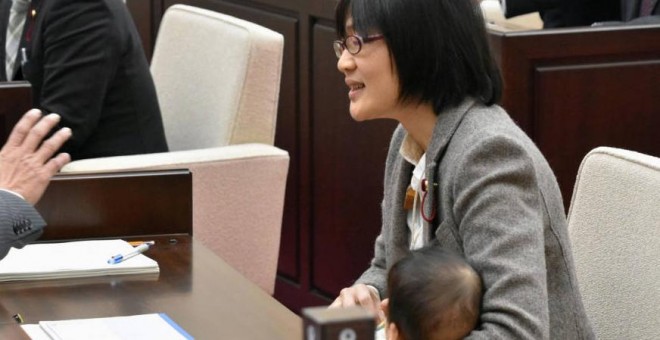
(497, 202)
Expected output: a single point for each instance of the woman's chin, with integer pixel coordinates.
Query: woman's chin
(357, 115)
(357, 118)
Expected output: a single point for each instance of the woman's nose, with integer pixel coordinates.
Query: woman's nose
(346, 62)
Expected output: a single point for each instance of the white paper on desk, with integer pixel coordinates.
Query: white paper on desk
(72, 260)
(146, 326)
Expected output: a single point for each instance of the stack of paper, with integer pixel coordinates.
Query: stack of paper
(71, 260)
(146, 326)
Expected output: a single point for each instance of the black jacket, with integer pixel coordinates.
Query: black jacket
(567, 13)
(86, 63)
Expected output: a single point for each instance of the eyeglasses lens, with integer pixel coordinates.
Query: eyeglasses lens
(338, 47)
(353, 44)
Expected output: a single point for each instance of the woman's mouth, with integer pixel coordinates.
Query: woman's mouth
(354, 90)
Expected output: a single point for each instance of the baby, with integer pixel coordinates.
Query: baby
(433, 294)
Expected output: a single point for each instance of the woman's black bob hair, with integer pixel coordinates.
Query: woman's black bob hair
(439, 47)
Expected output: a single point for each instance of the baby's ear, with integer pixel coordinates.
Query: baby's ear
(385, 306)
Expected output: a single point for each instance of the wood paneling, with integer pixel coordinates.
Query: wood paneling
(347, 176)
(591, 116)
(572, 90)
(15, 100)
(142, 11)
(119, 204)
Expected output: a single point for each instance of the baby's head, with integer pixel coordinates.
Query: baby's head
(433, 294)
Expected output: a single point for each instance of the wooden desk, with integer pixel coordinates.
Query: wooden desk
(205, 296)
(156, 202)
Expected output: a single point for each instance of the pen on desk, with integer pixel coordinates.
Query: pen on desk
(137, 243)
(136, 251)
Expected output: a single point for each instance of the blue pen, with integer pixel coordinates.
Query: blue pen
(136, 251)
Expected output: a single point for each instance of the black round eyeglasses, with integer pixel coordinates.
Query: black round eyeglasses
(353, 43)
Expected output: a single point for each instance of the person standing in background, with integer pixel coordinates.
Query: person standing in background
(85, 61)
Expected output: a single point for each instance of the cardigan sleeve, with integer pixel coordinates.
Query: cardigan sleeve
(376, 275)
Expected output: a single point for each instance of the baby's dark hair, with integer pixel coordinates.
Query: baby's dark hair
(433, 294)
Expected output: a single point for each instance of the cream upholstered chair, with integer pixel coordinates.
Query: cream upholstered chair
(614, 227)
(217, 79)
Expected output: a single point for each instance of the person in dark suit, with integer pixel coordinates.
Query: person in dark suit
(610, 12)
(587, 12)
(548, 10)
(85, 61)
(569, 13)
(26, 167)
(633, 13)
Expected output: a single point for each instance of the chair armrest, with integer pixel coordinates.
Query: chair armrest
(174, 159)
(238, 199)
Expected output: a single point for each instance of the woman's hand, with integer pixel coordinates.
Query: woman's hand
(360, 295)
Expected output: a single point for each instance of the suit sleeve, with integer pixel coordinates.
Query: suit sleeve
(20, 223)
(81, 54)
(647, 20)
(499, 206)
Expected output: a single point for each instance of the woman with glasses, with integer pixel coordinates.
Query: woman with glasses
(459, 173)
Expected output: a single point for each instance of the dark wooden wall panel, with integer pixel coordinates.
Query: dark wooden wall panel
(15, 100)
(576, 112)
(117, 204)
(347, 162)
(574, 89)
(142, 11)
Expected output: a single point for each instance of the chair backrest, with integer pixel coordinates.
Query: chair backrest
(217, 79)
(614, 227)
